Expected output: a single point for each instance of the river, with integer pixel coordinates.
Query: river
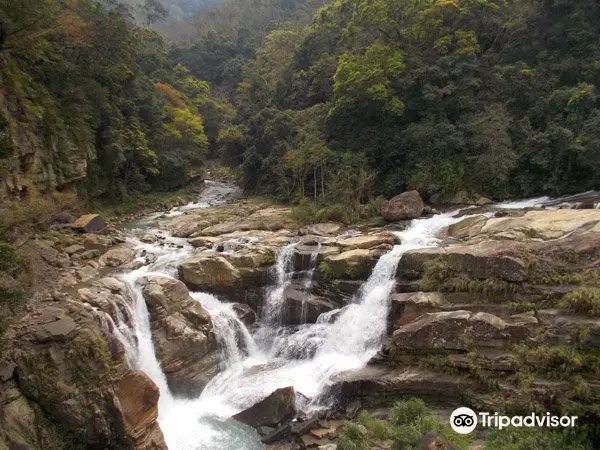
(266, 357)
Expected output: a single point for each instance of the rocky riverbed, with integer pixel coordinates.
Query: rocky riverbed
(228, 306)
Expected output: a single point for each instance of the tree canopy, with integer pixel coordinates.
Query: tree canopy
(494, 97)
(85, 83)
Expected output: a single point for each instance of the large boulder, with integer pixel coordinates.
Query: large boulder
(407, 205)
(351, 264)
(208, 270)
(541, 225)
(375, 381)
(89, 223)
(278, 407)
(269, 219)
(138, 401)
(245, 313)
(118, 256)
(98, 242)
(406, 307)
(183, 335)
(252, 256)
(456, 331)
(482, 261)
(233, 274)
(468, 227)
(308, 255)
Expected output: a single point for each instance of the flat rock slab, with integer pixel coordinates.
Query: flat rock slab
(376, 379)
(52, 324)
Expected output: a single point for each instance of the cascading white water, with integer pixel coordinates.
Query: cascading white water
(308, 278)
(235, 341)
(307, 357)
(274, 301)
(312, 265)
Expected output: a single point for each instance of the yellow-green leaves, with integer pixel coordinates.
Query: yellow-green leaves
(368, 79)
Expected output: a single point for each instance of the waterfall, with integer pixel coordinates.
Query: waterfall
(235, 341)
(267, 356)
(312, 265)
(144, 355)
(307, 283)
(284, 271)
(360, 328)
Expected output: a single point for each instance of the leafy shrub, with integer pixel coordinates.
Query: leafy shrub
(37, 209)
(306, 212)
(408, 410)
(584, 300)
(325, 270)
(353, 437)
(409, 421)
(10, 260)
(559, 361)
(7, 148)
(377, 206)
(535, 439)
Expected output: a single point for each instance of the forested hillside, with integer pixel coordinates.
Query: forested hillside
(357, 100)
(167, 9)
(220, 40)
(90, 102)
(491, 97)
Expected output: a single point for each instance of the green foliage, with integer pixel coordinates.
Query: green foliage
(559, 362)
(84, 84)
(11, 261)
(353, 437)
(536, 439)
(324, 271)
(583, 300)
(307, 212)
(409, 421)
(226, 37)
(13, 287)
(439, 96)
(366, 80)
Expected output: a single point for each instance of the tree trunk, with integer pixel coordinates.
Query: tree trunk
(323, 181)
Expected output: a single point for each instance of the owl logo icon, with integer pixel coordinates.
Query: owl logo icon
(463, 420)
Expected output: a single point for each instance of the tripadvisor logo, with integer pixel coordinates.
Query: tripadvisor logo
(464, 420)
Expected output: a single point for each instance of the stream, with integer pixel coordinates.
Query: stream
(259, 360)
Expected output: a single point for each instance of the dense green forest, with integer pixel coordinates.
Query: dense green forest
(492, 97)
(338, 101)
(90, 99)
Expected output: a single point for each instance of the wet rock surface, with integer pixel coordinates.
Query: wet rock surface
(278, 407)
(490, 290)
(183, 335)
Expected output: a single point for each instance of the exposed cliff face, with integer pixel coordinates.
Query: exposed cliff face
(33, 155)
(65, 384)
(64, 380)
